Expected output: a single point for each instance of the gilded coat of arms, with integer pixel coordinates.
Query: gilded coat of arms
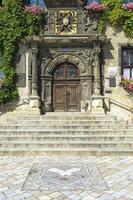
(66, 22)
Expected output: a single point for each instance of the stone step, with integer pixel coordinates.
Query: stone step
(65, 126)
(66, 144)
(80, 117)
(66, 152)
(66, 138)
(30, 122)
(61, 127)
(69, 131)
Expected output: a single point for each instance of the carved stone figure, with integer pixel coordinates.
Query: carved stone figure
(91, 22)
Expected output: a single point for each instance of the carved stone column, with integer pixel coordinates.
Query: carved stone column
(97, 104)
(34, 98)
(34, 72)
(97, 50)
(42, 79)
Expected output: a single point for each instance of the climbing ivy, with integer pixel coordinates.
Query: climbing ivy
(15, 24)
(117, 17)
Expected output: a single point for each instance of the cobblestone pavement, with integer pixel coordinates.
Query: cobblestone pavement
(118, 173)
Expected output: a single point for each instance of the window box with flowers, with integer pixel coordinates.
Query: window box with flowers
(34, 9)
(127, 84)
(128, 6)
(95, 6)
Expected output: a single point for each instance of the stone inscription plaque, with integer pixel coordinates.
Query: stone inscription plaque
(112, 81)
(65, 175)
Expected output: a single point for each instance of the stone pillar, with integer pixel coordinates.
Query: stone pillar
(42, 79)
(34, 72)
(97, 103)
(43, 87)
(97, 50)
(34, 98)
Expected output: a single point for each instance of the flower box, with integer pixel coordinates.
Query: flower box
(33, 9)
(128, 6)
(95, 7)
(127, 84)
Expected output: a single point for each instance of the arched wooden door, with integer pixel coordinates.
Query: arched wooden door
(66, 88)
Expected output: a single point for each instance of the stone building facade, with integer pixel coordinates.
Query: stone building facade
(71, 62)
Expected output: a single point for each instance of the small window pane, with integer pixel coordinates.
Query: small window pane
(91, 1)
(72, 71)
(130, 57)
(125, 60)
(126, 73)
(128, 1)
(40, 3)
(132, 74)
(59, 73)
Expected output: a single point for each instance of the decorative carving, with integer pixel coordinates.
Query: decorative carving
(66, 58)
(91, 22)
(97, 86)
(66, 22)
(51, 20)
(80, 16)
(88, 54)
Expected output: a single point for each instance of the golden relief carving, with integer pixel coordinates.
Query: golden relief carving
(66, 22)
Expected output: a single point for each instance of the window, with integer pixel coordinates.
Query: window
(91, 1)
(128, 1)
(36, 2)
(127, 62)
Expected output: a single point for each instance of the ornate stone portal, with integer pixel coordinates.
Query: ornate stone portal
(70, 36)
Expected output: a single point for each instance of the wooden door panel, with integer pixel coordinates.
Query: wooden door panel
(73, 98)
(59, 97)
(66, 94)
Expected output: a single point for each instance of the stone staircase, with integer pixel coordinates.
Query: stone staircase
(70, 134)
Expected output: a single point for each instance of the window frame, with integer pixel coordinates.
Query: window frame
(123, 66)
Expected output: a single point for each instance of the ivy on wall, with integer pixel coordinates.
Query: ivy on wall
(15, 24)
(117, 17)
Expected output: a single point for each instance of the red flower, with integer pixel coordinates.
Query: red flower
(128, 6)
(95, 6)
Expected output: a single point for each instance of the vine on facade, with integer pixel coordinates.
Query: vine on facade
(16, 22)
(116, 16)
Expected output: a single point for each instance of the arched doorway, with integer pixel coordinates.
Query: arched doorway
(66, 88)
